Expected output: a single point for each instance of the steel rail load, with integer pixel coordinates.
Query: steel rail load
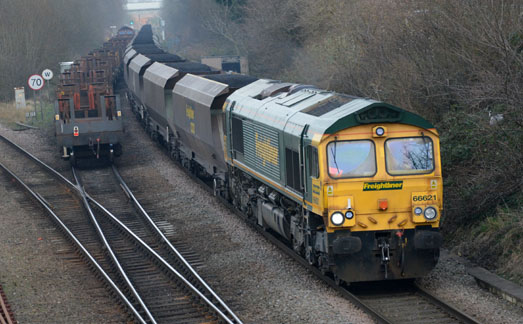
(88, 119)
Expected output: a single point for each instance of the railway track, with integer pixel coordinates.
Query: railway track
(401, 302)
(126, 249)
(6, 314)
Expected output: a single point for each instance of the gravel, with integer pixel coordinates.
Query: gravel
(261, 283)
(450, 281)
(44, 279)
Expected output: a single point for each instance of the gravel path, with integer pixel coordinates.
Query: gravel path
(263, 284)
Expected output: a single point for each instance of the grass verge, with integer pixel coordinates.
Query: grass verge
(9, 115)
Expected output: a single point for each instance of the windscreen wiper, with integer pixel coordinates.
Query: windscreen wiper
(426, 150)
(333, 151)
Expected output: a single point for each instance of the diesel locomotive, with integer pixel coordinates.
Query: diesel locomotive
(88, 115)
(353, 185)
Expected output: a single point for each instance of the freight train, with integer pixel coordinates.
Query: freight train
(353, 185)
(88, 120)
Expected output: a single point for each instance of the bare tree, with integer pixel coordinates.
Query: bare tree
(38, 34)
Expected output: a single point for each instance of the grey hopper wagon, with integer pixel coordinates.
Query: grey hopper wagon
(137, 68)
(198, 117)
(129, 55)
(159, 80)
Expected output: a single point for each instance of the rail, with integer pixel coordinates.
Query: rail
(108, 248)
(6, 316)
(75, 241)
(160, 259)
(164, 239)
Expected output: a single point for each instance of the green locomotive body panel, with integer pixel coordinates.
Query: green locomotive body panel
(262, 149)
(269, 125)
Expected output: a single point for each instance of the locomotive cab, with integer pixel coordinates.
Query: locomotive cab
(382, 200)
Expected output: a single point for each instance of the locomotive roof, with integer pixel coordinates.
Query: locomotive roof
(292, 105)
(234, 81)
(125, 28)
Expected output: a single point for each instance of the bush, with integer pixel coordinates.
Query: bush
(482, 165)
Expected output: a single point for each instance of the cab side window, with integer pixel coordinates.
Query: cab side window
(237, 134)
(312, 156)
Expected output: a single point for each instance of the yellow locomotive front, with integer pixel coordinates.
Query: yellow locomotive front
(381, 200)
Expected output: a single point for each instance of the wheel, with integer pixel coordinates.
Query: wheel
(215, 187)
(337, 280)
(309, 256)
(72, 159)
(297, 246)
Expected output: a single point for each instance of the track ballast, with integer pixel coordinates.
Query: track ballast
(150, 277)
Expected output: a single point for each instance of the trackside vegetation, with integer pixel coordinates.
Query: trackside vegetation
(457, 63)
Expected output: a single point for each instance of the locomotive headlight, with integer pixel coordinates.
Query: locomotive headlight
(430, 213)
(349, 214)
(379, 131)
(418, 211)
(337, 218)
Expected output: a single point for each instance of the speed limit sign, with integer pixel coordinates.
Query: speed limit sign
(36, 82)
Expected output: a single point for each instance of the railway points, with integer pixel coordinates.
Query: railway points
(136, 270)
